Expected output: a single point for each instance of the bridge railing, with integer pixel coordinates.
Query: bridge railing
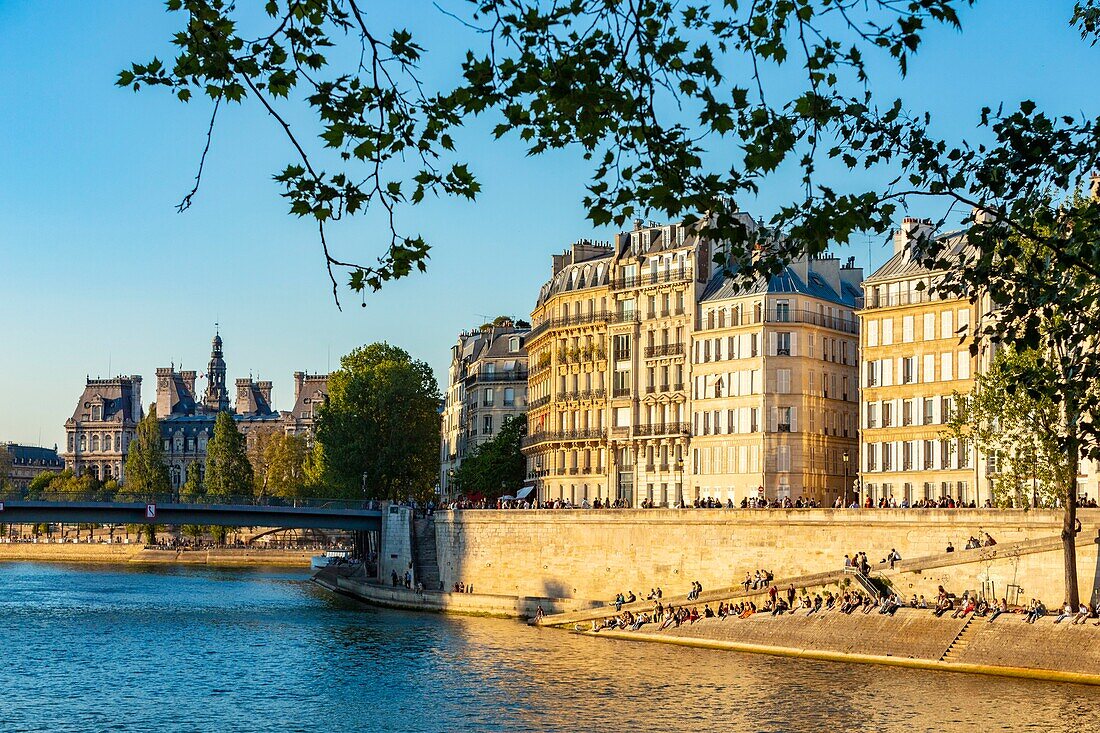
(174, 498)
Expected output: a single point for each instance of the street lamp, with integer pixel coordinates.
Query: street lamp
(680, 468)
(844, 487)
(538, 482)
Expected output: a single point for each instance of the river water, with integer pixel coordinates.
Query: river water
(95, 648)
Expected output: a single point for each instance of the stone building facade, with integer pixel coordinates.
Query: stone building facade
(916, 355)
(27, 461)
(98, 434)
(775, 373)
(100, 431)
(486, 384)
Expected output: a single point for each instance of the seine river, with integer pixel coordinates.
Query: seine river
(181, 649)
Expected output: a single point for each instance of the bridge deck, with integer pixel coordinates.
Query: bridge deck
(225, 515)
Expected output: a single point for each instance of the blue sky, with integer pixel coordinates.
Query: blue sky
(99, 275)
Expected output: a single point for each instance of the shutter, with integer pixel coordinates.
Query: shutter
(794, 343)
(773, 420)
(771, 344)
(794, 419)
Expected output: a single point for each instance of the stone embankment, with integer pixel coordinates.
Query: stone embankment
(911, 638)
(74, 552)
(473, 604)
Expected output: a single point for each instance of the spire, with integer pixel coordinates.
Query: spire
(217, 396)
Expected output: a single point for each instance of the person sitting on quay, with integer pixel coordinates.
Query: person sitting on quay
(1035, 611)
(989, 541)
(997, 610)
(1083, 614)
(708, 612)
(694, 615)
(630, 597)
(748, 610)
(619, 600)
(966, 607)
(1067, 612)
(830, 601)
(944, 603)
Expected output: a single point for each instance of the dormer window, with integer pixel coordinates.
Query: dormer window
(513, 344)
(97, 412)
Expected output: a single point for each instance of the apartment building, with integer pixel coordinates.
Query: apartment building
(486, 384)
(775, 378)
(916, 356)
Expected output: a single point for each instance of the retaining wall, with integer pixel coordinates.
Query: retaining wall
(595, 554)
(136, 553)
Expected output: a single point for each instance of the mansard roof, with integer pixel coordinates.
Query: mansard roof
(117, 396)
(902, 264)
(34, 455)
(724, 285)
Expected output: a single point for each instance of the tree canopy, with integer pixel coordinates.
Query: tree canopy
(497, 466)
(228, 472)
(379, 431)
(146, 472)
(279, 463)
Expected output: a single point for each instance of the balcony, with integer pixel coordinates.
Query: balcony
(652, 278)
(672, 428)
(914, 297)
(664, 350)
(553, 436)
(517, 375)
(620, 392)
(594, 318)
(538, 402)
(747, 318)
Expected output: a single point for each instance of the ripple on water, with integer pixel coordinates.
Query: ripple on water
(196, 649)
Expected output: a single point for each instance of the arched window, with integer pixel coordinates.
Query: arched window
(118, 442)
(722, 318)
(95, 443)
(83, 443)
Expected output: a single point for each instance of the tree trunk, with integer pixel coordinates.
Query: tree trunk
(1069, 520)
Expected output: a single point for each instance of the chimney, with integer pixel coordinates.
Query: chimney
(135, 393)
(265, 391)
(245, 403)
(189, 382)
(912, 231)
(299, 380)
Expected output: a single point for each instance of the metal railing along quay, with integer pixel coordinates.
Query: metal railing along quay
(123, 497)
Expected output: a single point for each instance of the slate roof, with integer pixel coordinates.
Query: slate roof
(902, 264)
(33, 455)
(723, 285)
(118, 400)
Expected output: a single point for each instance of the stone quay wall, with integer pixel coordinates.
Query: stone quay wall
(79, 552)
(594, 554)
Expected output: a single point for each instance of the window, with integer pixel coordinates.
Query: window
(872, 414)
(785, 416)
(872, 456)
(907, 412)
(783, 311)
(872, 373)
(928, 417)
(887, 414)
(487, 426)
(754, 345)
(622, 347)
(487, 400)
(909, 370)
(887, 456)
(945, 366)
(929, 455)
(97, 412)
(782, 381)
(509, 397)
(929, 326)
(963, 321)
(783, 458)
(907, 455)
(964, 364)
(754, 420)
(783, 343)
(622, 417)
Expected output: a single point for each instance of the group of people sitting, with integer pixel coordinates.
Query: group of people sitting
(757, 580)
(974, 542)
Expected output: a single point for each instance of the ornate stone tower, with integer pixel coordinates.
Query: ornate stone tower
(217, 397)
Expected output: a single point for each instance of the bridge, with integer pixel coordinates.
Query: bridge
(170, 509)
